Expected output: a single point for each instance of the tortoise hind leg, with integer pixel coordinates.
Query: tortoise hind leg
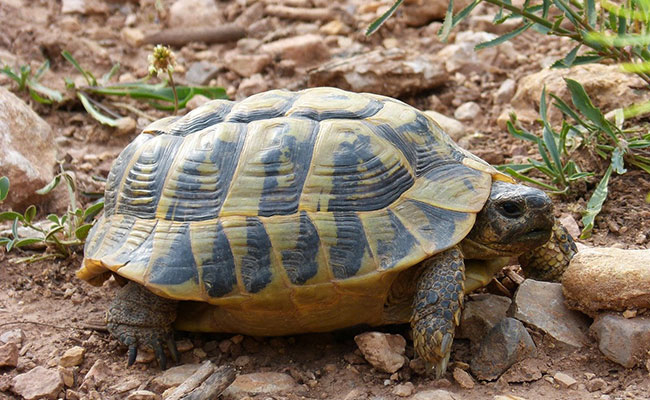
(137, 317)
(437, 308)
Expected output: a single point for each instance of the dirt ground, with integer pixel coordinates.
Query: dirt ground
(56, 311)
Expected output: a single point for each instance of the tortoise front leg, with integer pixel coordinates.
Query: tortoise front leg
(137, 317)
(437, 308)
(549, 261)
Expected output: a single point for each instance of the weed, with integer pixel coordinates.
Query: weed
(30, 82)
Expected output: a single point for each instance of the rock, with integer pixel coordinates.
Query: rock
(174, 376)
(438, 394)
(126, 385)
(38, 383)
(480, 314)
(527, 370)
(143, 395)
(383, 351)
(67, 374)
(9, 355)
(259, 382)
(15, 336)
(565, 381)
(467, 111)
(462, 57)
(421, 12)
(596, 384)
(622, 340)
(196, 101)
(200, 73)
(207, 383)
(463, 378)
(249, 86)
(607, 278)
(455, 129)
(247, 65)
(184, 13)
(505, 92)
(133, 36)
(571, 225)
(98, 374)
(83, 7)
(607, 85)
(334, 27)
(393, 72)
(242, 361)
(505, 344)
(251, 14)
(72, 357)
(404, 389)
(541, 304)
(28, 154)
(304, 50)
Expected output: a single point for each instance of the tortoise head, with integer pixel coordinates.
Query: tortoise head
(514, 220)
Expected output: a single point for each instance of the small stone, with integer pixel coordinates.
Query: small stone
(72, 357)
(505, 344)
(184, 13)
(247, 65)
(383, 351)
(195, 102)
(334, 27)
(354, 394)
(143, 395)
(9, 355)
(455, 129)
(249, 86)
(622, 340)
(354, 359)
(260, 382)
(67, 374)
(201, 72)
(174, 376)
(505, 92)
(13, 336)
(125, 126)
(225, 345)
(438, 394)
(125, 386)
(570, 224)
(242, 361)
(132, 36)
(98, 374)
(463, 378)
(199, 353)
(467, 111)
(329, 368)
(305, 50)
(144, 357)
(480, 314)
(564, 380)
(403, 389)
(596, 384)
(418, 366)
(527, 370)
(38, 383)
(541, 304)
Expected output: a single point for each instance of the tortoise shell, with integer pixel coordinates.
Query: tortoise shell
(278, 205)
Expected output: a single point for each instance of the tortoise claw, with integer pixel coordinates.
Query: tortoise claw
(133, 353)
(171, 345)
(160, 353)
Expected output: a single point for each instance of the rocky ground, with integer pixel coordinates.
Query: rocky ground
(53, 343)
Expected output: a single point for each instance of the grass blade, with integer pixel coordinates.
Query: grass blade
(583, 103)
(4, 188)
(504, 38)
(94, 112)
(595, 204)
(376, 24)
(445, 30)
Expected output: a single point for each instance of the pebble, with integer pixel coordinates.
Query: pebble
(482, 311)
(242, 361)
(67, 374)
(403, 389)
(98, 374)
(257, 383)
(72, 357)
(467, 111)
(125, 126)
(9, 355)
(383, 351)
(438, 394)
(564, 380)
(38, 383)
(596, 384)
(454, 128)
(541, 304)
(622, 340)
(201, 72)
(527, 370)
(174, 376)
(184, 13)
(13, 336)
(249, 86)
(505, 344)
(143, 395)
(247, 65)
(305, 50)
(463, 378)
(505, 92)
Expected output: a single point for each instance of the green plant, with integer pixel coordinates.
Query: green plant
(30, 82)
(62, 234)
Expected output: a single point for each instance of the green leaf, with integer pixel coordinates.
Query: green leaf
(54, 218)
(90, 79)
(51, 94)
(504, 38)
(583, 103)
(107, 77)
(26, 242)
(447, 24)
(93, 210)
(82, 232)
(10, 245)
(7, 71)
(376, 24)
(95, 112)
(595, 204)
(617, 160)
(591, 13)
(11, 216)
(521, 133)
(50, 186)
(53, 231)
(42, 69)
(568, 60)
(525, 178)
(30, 213)
(4, 188)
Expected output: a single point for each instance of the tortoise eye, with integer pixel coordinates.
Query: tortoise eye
(511, 209)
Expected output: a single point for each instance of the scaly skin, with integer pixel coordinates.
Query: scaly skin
(137, 317)
(437, 308)
(549, 261)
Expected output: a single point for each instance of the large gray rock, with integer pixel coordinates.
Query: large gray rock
(38, 383)
(541, 304)
(480, 314)
(28, 153)
(622, 340)
(394, 72)
(505, 344)
(607, 278)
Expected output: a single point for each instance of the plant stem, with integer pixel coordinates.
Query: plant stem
(173, 85)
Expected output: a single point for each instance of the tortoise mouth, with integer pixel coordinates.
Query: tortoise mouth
(540, 235)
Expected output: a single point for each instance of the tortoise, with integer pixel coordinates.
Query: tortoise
(309, 211)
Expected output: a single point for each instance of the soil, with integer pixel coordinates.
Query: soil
(56, 311)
